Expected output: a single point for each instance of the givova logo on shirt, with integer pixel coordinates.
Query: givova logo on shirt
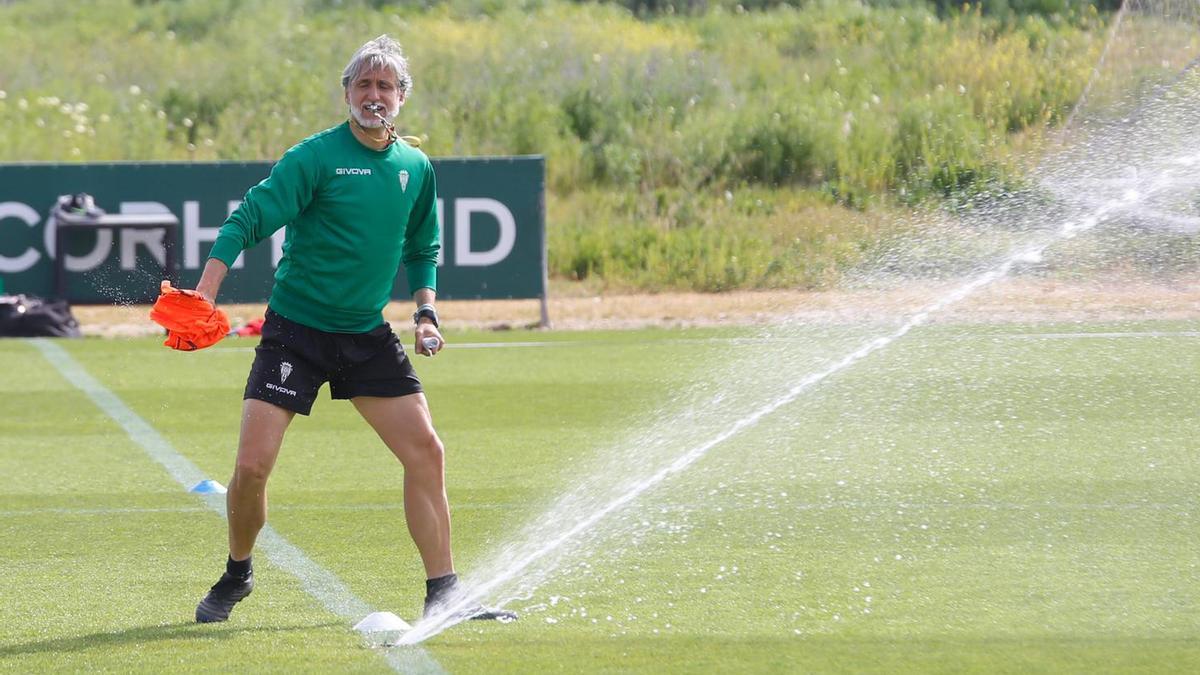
(343, 171)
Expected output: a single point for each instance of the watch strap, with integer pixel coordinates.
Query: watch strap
(427, 311)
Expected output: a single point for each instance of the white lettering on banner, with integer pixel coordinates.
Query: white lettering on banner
(193, 234)
(441, 215)
(153, 240)
(277, 246)
(31, 218)
(104, 240)
(463, 255)
(230, 207)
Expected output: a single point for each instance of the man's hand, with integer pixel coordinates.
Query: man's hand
(429, 341)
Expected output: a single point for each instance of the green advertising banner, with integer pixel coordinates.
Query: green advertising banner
(491, 209)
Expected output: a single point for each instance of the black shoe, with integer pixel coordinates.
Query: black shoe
(481, 613)
(221, 598)
(436, 603)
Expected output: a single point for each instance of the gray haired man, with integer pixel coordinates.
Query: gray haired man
(347, 234)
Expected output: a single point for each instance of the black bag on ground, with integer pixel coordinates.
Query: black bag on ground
(26, 316)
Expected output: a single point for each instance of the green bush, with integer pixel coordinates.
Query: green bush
(654, 114)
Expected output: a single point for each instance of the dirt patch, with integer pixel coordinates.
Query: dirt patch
(1019, 300)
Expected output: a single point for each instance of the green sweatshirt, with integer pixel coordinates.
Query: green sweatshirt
(353, 215)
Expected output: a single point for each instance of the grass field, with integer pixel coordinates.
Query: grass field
(1016, 498)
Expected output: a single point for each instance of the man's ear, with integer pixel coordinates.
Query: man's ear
(346, 96)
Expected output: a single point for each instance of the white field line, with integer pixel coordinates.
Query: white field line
(318, 582)
(449, 345)
(1082, 335)
(760, 340)
(1105, 336)
(275, 508)
(806, 506)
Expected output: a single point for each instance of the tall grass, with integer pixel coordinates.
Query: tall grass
(826, 114)
(671, 238)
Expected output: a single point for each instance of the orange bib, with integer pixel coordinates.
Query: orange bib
(191, 321)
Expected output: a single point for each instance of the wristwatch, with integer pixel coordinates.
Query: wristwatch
(428, 312)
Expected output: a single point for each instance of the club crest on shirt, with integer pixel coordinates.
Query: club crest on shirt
(403, 180)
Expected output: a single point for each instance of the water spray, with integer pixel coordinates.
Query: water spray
(1090, 202)
(1128, 199)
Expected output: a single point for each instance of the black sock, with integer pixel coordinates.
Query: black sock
(435, 586)
(238, 568)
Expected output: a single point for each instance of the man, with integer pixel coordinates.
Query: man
(357, 203)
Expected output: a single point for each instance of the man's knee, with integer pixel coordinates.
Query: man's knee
(252, 470)
(426, 454)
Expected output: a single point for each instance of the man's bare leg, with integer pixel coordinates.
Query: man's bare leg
(406, 427)
(263, 425)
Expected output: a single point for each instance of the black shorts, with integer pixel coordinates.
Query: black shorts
(292, 362)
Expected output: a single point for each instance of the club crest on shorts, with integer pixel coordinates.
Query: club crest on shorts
(403, 180)
(285, 369)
